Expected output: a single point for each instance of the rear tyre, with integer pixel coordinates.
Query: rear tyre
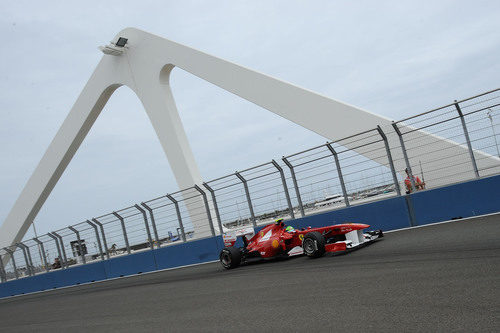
(314, 244)
(230, 257)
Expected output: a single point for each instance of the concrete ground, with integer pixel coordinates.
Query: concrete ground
(444, 277)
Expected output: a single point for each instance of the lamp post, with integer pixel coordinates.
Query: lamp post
(493, 129)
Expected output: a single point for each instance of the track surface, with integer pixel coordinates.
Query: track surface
(438, 278)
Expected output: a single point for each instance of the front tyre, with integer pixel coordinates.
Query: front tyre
(314, 244)
(230, 257)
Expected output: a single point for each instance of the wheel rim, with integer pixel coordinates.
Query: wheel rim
(308, 246)
(225, 258)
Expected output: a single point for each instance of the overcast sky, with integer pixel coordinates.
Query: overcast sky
(394, 58)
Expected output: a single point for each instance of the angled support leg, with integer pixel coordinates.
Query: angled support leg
(42, 253)
(64, 259)
(57, 247)
(80, 247)
(103, 234)
(124, 230)
(14, 266)
(153, 223)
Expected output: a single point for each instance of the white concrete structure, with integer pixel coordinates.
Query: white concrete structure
(144, 65)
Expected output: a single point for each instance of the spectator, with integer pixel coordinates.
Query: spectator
(57, 263)
(113, 250)
(419, 184)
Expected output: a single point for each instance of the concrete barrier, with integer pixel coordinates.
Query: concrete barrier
(466, 199)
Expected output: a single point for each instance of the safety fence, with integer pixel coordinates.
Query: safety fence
(450, 144)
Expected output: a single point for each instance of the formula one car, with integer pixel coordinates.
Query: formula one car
(279, 240)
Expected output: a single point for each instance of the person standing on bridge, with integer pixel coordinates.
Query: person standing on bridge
(57, 263)
(419, 184)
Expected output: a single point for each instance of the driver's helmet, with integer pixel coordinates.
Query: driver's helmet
(289, 229)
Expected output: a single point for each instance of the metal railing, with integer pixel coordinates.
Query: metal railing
(456, 142)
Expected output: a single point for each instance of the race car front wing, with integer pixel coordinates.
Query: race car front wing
(354, 239)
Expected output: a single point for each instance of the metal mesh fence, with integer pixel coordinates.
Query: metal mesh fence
(366, 178)
(448, 161)
(253, 196)
(333, 176)
(453, 143)
(163, 213)
(231, 200)
(482, 116)
(315, 174)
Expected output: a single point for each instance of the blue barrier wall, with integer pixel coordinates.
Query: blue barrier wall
(131, 264)
(56, 279)
(460, 200)
(190, 253)
(467, 199)
(175, 255)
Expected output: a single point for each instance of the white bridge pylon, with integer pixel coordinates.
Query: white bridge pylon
(144, 65)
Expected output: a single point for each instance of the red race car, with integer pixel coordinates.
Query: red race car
(279, 240)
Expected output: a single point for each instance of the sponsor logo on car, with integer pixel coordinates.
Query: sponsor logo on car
(267, 236)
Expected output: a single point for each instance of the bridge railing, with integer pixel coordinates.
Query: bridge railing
(330, 176)
(469, 123)
(333, 176)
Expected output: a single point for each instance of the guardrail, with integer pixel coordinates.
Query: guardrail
(326, 177)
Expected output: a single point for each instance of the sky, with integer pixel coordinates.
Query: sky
(393, 58)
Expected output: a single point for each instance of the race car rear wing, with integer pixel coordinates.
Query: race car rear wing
(231, 235)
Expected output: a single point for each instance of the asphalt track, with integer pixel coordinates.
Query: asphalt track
(444, 277)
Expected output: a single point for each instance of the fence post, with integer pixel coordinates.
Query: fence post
(285, 188)
(249, 200)
(153, 223)
(3, 274)
(62, 249)
(179, 218)
(58, 248)
(216, 207)
(405, 155)
(77, 233)
(143, 212)
(297, 192)
(43, 257)
(389, 157)
(30, 258)
(125, 237)
(97, 238)
(339, 172)
(106, 249)
(207, 208)
(469, 145)
(29, 263)
(14, 266)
